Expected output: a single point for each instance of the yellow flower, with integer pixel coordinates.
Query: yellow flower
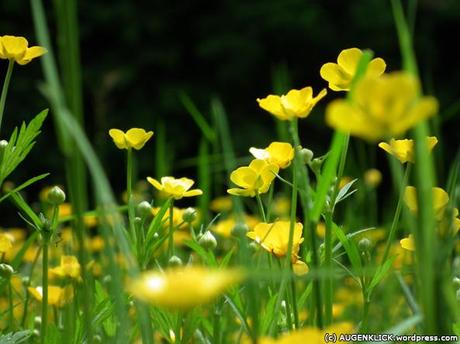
(6, 242)
(408, 243)
(440, 200)
(183, 288)
(17, 48)
(277, 153)
(133, 138)
(381, 107)
(253, 179)
(222, 204)
(274, 237)
(340, 74)
(176, 188)
(225, 227)
(372, 177)
(403, 150)
(295, 104)
(70, 267)
(57, 296)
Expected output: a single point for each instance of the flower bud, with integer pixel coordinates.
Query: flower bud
(254, 246)
(144, 209)
(175, 261)
(6, 271)
(306, 155)
(456, 282)
(240, 230)
(37, 321)
(56, 196)
(208, 241)
(189, 215)
(364, 244)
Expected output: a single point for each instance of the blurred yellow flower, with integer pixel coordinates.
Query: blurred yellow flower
(221, 204)
(225, 227)
(57, 296)
(183, 288)
(408, 243)
(175, 188)
(17, 49)
(133, 138)
(277, 153)
(295, 104)
(381, 107)
(403, 150)
(274, 237)
(6, 242)
(69, 267)
(440, 200)
(372, 177)
(253, 179)
(339, 75)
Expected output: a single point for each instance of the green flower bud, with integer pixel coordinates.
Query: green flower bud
(189, 215)
(208, 241)
(56, 196)
(240, 230)
(364, 244)
(6, 271)
(175, 261)
(37, 321)
(144, 209)
(456, 282)
(306, 155)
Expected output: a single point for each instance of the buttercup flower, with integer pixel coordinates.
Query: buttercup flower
(403, 150)
(57, 296)
(70, 267)
(6, 242)
(253, 179)
(340, 74)
(17, 49)
(408, 243)
(295, 104)
(274, 237)
(175, 188)
(277, 153)
(440, 200)
(225, 227)
(372, 177)
(133, 138)
(183, 288)
(381, 107)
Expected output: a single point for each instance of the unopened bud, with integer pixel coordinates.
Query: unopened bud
(175, 261)
(144, 209)
(37, 321)
(306, 155)
(189, 215)
(254, 246)
(208, 241)
(240, 230)
(456, 282)
(56, 196)
(364, 244)
(6, 271)
(97, 339)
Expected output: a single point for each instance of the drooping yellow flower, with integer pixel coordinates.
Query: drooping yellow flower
(440, 200)
(295, 104)
(183, 288)
(69, 267)
(175, 188)
(339, 75)
(274, 237)
(408, 243)
(57, 296)
(277, 153)
(403, 150)
(17, 49)
(253, 179)
(133, 138)
(6, 242)
(381, 107)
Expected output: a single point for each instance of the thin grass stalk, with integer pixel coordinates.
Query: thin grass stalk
(5, 88)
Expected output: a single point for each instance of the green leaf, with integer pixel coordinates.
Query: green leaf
(24, 185)
(380, 273)
(16, 337)
(343, 193)
(350, 247)
(20, 144)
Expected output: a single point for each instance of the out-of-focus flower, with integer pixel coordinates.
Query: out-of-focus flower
(225, 227)
(183, 288)
(175, 188)
(440, 200)
(408, 243)
(17, 49)
(6, 242)
(372, 177)
(253, 179)
(277, 153)
(403, 150)
(57, 296)
(295, 104)
(274, 237)
(344, 181)
(221, 204)
(381, 107)
(69, 267)
(339, 75)
(133, 138)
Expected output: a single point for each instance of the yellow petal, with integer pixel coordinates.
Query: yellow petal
(137, 137)
(272, 104)
(242, 192)
(118, 137)
(376, 67)
(338, 79)
(31, 53)
(14, 47)
(300, 268)
(156, 184)
(194, 192)
(408, 243)
(348, 59)
(244, 176)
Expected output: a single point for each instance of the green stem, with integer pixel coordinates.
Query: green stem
(44, 323)
(171, 230)
(6, 85)
(270, 200)
(328, 286)
(10, 307)
(129, 190)
(261, 207)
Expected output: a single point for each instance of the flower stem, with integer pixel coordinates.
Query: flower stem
(6, 85)
(129, 190)
(44, 322)
(171, 230)
(328, 287)
(261, 207)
